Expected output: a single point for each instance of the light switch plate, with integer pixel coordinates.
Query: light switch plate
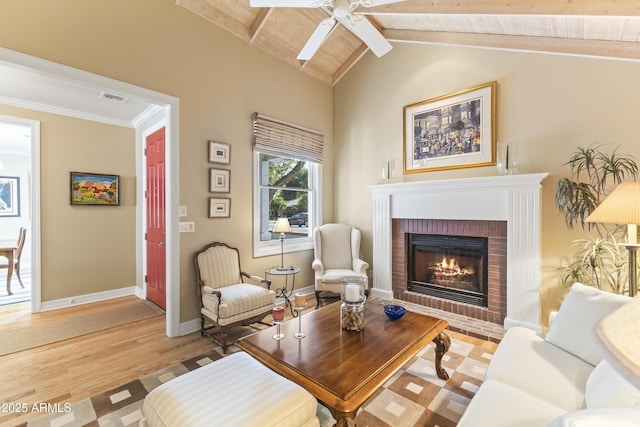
(187, 227)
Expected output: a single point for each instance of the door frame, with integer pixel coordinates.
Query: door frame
(162, 108)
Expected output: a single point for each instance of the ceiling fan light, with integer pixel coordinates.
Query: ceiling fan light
(341, 8)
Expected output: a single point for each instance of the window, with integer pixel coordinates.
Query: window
(287, 183)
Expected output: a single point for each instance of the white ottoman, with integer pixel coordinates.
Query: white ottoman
(237, 391)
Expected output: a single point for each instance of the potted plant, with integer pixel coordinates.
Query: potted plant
(599, 261)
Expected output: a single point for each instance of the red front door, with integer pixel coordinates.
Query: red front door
(156, 249)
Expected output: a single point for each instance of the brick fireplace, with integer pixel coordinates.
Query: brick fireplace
(506, 207)
(495, 231)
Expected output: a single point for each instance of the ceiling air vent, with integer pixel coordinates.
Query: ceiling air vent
(113, 98)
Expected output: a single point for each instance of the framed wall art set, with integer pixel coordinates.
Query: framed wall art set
(219, 180)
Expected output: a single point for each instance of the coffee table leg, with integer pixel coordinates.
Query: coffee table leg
(442, 342)
(343, 419)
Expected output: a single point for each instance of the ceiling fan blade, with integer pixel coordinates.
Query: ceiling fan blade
(283, 3)
(364, 29)
(319, 35)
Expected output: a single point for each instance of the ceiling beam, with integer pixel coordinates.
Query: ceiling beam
(350, 62)
(259, 23)
(511, 7)
(597, 48)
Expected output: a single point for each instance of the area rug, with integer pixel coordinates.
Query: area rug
(414, 397)
(58, 330)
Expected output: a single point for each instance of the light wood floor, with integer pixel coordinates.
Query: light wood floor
(72, 370)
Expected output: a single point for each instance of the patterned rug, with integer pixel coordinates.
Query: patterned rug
(414, 397)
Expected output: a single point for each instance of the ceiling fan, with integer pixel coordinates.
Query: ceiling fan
(339, 11)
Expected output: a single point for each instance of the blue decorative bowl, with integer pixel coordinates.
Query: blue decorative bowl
(394, 312)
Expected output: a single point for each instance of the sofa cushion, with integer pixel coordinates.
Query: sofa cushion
(607, 388)
(609, 417)
(501, 405)
(526, 361)
(573, 328)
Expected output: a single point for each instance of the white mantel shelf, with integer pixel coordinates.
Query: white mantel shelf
(511, 198)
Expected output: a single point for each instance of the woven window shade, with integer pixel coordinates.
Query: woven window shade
(283, 139)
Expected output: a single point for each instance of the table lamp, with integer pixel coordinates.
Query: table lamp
(622, 206)
(282, 226)
(618, 335)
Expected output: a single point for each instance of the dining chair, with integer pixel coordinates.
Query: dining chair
(4, 263)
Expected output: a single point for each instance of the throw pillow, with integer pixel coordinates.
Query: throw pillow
(609, 417)
(607, 388)
(573, 328)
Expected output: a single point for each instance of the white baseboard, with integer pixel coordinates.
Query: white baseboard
(88, 298)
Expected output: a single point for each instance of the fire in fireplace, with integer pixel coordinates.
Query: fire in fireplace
(450, 267)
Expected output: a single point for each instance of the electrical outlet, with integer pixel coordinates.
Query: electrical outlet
(187, 227)
(183, 211)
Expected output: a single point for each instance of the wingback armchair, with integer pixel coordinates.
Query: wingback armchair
(336, 250)
(226, 300)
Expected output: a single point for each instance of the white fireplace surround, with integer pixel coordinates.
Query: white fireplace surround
(511, 198)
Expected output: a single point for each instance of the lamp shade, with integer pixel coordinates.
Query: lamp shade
(282, 226)
(619, 337)
(622, 206)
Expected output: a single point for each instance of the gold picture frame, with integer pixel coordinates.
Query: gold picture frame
(452, 131)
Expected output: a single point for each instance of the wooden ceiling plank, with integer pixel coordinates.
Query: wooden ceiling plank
(597, 48)
(505, 7)
(630, 31)
(213, 14)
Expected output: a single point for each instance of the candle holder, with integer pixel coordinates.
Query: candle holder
(300, 301)
(353, 298)
(278, 318)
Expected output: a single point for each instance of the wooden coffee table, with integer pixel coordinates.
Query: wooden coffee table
(342, 369)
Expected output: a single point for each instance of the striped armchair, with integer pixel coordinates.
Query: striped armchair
(226, 300)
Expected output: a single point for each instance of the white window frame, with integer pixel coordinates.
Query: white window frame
(272, 247)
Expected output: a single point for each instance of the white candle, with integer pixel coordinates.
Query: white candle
(352, 293)
(300, 300)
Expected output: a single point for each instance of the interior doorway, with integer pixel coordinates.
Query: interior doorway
(144, 109)
(18, 138)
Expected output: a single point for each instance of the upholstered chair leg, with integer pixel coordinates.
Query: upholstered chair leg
(223, 339)
(317, 300)
(202, 332)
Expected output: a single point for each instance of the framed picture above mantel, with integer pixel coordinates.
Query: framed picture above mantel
(451, 131)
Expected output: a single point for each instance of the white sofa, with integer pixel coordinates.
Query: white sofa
(558, 380)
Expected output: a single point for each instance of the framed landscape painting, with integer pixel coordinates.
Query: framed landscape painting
(94, 189)
(9, 196)
(451, 131)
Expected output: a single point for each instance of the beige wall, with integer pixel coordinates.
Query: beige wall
(85, 249)
(550, 104)
(220, 81)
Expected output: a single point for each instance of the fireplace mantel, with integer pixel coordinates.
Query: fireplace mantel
(511, 198)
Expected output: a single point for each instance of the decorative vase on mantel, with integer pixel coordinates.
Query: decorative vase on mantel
(507, 158)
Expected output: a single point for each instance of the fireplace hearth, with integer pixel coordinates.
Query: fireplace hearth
(448, 267)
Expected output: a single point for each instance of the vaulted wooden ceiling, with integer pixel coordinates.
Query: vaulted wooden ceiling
(602, 28)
